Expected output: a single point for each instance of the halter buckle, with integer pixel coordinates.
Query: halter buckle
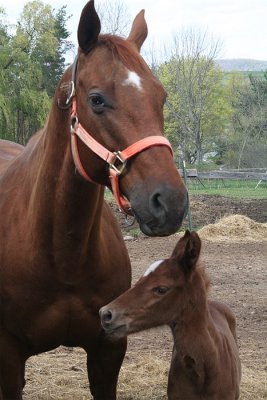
(118, 168)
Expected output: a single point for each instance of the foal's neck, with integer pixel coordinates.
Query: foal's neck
(194, 330)
(194, 361)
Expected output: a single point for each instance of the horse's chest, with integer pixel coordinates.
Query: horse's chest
(46, 319)
(51, 312)
(55, 301)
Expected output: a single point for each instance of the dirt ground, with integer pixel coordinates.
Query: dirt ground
(208, 209)
(238, 276)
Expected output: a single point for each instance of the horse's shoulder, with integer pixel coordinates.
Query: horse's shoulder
(8, 152)
(11, 152)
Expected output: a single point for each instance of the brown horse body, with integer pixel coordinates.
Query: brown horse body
(205, 361)
(62, 255)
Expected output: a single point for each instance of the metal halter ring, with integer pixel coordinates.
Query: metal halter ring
(73, 124)
(119, 169)
(71, 92)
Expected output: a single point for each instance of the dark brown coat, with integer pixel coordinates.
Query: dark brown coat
(205, 361)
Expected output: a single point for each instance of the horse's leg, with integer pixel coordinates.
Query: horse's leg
(12, 368)
(104, 359)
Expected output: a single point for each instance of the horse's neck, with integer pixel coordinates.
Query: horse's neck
(195, 333)
(194, 338)
(63, 204)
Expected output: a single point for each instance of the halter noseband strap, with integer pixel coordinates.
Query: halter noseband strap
(116, 160)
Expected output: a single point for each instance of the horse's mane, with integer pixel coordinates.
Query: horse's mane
(201, 272)
(124, 51)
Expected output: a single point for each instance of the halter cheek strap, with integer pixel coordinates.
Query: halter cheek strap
(116, 160)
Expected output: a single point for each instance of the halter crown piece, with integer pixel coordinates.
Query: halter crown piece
(116, 160)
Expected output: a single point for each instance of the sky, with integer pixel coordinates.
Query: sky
(241, 25)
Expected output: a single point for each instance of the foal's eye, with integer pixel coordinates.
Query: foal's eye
(97, 102)
(161, 290)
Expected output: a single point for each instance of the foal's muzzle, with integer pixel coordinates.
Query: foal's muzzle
(112, 323)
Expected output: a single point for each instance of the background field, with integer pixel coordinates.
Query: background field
(241, 189)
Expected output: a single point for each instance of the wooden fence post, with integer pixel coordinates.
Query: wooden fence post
(189, 211)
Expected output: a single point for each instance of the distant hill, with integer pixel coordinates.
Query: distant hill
(240, 64)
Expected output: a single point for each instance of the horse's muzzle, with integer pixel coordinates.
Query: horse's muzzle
(112, 323)
(162, 212)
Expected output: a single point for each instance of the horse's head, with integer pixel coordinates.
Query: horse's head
(120, 103)
(170, 290)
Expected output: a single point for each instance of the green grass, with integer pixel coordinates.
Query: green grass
(239, 189)
(229, 188)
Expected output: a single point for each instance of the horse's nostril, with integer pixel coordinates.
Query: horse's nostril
(157, 205)
(106, 316)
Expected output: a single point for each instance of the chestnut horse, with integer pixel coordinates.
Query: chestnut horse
(62, 256)
(205, 361)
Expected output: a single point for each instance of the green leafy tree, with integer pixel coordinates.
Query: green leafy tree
(54, 65)
(196, 109)
(4, 54)
(32, 64)
(249, 122)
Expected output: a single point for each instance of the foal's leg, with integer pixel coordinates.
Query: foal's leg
(12, 368)
(104, 359)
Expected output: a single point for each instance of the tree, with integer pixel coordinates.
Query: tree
(32, 63)
(249, 101)
(54, 66)
(196, 108)
(5, 114)
(114, 17)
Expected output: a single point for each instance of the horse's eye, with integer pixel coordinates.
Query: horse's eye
(161, 290)
(97, 102)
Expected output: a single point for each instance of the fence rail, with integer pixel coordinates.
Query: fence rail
(258, 175)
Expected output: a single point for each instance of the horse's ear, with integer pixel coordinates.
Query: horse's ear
(89, 27)
(187, 250)
(139, 30)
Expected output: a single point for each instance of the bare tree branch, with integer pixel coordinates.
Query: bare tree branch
(114, 17)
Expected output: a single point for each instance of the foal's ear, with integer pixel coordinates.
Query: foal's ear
(187, 250)
(89, 27)
(139, 30)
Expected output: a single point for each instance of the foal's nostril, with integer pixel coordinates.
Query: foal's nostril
(106, 316)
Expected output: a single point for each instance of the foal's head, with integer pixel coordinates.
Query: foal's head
(120, 102)
(170, 290)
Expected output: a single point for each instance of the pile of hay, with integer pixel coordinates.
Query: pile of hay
(235, 228)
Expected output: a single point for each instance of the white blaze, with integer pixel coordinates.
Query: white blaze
(133, 80)
(153, 267)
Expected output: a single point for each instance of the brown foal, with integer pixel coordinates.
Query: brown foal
(205, 362)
